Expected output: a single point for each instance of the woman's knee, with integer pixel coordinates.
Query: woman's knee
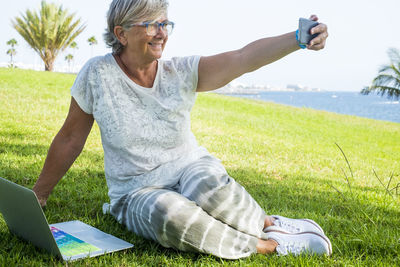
(171, 220)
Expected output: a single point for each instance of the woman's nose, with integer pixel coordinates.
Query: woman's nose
(161, 33)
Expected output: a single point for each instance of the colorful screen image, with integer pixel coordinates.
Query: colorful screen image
(70, 245)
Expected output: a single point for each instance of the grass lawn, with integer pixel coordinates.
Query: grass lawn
(285, 157)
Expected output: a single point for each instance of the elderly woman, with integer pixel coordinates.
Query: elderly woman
(162, 184)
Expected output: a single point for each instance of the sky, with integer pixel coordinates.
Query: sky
(360, 33)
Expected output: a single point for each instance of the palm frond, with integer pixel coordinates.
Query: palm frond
(390, 92)
(388, 80)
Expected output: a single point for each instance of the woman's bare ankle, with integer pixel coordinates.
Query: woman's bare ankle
(268, 221)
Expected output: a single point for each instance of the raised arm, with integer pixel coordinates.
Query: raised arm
(218, 70)
(65, 148)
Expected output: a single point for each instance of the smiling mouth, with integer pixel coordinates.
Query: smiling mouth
(155, 44)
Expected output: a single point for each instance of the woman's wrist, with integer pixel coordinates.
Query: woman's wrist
(41, 196)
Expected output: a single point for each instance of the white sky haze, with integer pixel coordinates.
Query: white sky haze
(360, 33)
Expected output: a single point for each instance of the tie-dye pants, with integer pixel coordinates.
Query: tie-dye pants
(206, 211)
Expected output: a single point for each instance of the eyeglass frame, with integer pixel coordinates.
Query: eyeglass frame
(159, 25)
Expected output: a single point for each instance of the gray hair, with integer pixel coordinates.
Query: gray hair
(126, 12)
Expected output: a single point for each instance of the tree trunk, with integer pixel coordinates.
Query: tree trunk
(49, 64)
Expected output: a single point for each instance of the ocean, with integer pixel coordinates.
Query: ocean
(351, 103)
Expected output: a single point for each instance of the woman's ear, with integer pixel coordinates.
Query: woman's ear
(120, 34)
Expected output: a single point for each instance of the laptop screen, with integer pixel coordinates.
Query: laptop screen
(70, 245)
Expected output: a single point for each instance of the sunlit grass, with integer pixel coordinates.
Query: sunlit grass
(285, 157)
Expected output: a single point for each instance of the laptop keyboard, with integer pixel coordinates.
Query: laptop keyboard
(70, 245)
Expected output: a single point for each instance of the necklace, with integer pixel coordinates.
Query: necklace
(124, 67)
(130, 75)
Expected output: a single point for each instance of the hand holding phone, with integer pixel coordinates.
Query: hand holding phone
(305, 36)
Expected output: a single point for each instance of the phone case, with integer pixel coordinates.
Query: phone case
(305, 26)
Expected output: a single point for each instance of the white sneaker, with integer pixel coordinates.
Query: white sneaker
(293, 226)
(302, 243)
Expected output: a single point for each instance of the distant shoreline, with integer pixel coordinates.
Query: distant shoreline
(292, 91)
(230, 89)
(371, 106)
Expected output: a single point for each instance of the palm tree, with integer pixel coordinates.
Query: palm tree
(69, 58)
(74, 45)
(12, 52)
(388, 80)
(49, 32)
(92, 41)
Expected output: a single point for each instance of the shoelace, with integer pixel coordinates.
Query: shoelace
(287, 225)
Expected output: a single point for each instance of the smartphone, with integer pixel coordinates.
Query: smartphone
(305, 25)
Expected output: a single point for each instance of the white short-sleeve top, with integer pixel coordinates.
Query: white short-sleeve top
(141, 128)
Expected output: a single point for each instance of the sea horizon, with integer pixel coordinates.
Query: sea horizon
(371, 106)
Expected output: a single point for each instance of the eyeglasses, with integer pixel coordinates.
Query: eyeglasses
(153, 27)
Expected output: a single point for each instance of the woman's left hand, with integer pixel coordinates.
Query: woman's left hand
(318, 42)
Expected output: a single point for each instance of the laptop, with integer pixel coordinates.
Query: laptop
(69, 241)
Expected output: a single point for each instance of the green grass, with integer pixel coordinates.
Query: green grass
(285, 157)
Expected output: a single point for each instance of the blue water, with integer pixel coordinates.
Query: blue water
(351, 103)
